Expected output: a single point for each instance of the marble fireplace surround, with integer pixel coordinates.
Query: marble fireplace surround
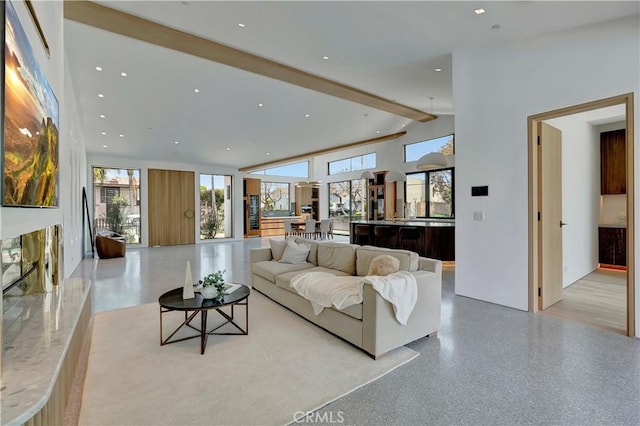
(44, 323)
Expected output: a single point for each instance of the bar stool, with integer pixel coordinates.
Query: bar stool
(384, 235)
(409, 234)
(362, 235)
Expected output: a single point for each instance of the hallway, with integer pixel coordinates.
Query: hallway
(598, 300)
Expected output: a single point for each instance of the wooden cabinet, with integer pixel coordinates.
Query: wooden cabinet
(613, 174)
(612, 246)
(376, 196)
(251, 200)
(308, 201)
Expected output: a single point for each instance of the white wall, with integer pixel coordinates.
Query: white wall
(495, 90)
(580, 195)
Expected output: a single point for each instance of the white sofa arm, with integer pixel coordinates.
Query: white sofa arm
(260, 254)
(381, 332)
(433, 265)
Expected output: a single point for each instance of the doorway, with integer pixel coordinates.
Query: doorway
(171, 207)
(536, 261)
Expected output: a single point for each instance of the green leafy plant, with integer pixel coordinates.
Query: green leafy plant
(215, 279)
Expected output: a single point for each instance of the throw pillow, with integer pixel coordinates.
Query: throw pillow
(295, 253)
(277, 248)
(384, 265)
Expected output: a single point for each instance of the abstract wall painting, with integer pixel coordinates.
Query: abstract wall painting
(30, 149)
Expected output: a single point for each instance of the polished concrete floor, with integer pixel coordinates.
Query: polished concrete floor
(487, 365)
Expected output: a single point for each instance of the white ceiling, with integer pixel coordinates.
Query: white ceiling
(390, 49)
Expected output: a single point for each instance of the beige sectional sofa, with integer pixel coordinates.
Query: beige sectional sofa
(371, 325)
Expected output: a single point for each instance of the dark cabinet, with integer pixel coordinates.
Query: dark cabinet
(613, 172)
(612, 246)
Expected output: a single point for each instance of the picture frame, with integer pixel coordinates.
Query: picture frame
(30, 123)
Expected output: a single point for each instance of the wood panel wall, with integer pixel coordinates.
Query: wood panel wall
(171, 207)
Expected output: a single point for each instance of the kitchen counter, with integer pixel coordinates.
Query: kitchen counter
(409, 222)
(436, 237)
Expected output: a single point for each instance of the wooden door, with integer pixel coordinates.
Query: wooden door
(171, 207)
(550, 202)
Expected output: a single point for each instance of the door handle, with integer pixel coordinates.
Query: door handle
(562, 224)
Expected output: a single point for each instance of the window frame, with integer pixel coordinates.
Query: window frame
(264, 183)
(351, 168)
(427, 180)
(404, 148)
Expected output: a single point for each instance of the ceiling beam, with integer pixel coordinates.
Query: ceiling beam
(132, 26)
(305, 156)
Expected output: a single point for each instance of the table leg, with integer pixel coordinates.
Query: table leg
(203, 331)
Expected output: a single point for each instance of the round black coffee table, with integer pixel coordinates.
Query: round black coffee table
(173, 301)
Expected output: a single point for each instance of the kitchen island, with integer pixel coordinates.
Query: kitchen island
(434, 238)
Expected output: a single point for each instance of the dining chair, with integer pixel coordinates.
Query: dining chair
(325, 227)
(310, 228)
(288, 229)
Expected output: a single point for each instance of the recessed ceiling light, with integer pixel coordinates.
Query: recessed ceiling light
(176, 142)
(307, 115)
(123, 74)
(103, 133)
(403, 125)
(268, 153)
(326, 58)
(196, 90)
(121, 135)
(479, 11)
(100, 95)
(104, 146)
(438, 69)
(260, 105)
(241, 25)
(377, 131)
(228, 149)
(103, 116)
(98, 68)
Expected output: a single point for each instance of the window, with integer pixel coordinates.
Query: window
(445, 145)
(346, 203)
(353, 164)
(290, 170)
(117, 202)
(432, 200)
(274, 198)
(215, 206)
(107, 193)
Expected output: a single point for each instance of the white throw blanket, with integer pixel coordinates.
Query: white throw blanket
(323, 290)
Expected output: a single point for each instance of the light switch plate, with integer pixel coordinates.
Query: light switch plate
(478, 215)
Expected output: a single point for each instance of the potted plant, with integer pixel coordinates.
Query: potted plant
(212, 286)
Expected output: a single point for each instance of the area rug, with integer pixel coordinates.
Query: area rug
(284, 367)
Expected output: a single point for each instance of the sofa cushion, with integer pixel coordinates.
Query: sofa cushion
(277, 248)
(313, 249)
(295, 253)
(283, 281)
(383, 264)
(365, 254)
(269, 269)
(341, 257)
